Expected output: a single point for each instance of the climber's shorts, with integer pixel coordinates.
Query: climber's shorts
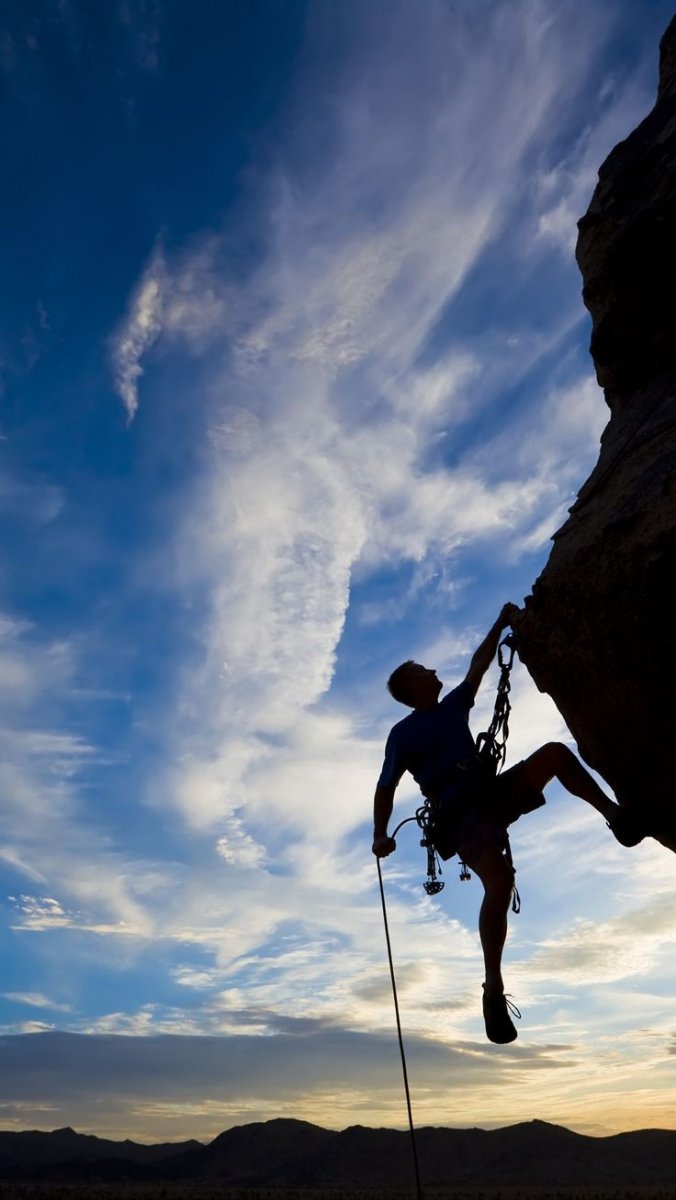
(474, 813)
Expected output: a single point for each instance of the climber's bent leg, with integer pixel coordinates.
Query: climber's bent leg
(556, 761)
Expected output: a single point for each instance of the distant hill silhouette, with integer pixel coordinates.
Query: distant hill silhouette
(287, 1153)
(33, 1154)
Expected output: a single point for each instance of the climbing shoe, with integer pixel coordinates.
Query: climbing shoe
(628, 826)
(499, 1025)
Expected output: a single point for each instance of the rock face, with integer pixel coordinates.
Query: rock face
(598, 632)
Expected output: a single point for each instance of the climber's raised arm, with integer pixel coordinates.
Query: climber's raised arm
(383, 802)
(485, 653)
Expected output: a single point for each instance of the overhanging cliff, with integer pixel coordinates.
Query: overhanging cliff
(597, 633)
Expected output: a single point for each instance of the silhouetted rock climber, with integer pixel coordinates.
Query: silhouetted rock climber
(472, 807)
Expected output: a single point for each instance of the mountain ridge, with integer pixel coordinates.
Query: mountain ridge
(285, 1152)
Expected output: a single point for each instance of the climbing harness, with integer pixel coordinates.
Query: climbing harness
(491, 747)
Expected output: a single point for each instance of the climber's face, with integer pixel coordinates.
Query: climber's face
(423, 685)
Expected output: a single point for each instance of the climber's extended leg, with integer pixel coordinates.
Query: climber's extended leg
(497, 877)
(556, 761)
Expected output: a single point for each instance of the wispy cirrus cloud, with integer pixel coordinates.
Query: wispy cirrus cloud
(86, 884)
(185, 299)
(35, 1000)
(139, 331)
(564, 188)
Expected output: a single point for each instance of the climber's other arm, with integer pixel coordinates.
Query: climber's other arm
(383, 802)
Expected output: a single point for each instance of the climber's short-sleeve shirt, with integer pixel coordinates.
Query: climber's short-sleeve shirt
(429, 743)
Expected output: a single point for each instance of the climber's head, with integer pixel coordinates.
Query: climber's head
(414, 685)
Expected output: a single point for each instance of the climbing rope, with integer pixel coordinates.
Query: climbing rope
(399, 1035)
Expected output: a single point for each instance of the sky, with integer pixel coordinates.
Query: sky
(295, 386)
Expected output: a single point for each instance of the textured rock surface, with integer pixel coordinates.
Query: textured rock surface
(598, 631)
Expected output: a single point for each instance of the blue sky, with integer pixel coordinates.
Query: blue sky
(295, 385)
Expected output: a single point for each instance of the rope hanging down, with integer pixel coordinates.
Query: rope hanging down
(399, 1035)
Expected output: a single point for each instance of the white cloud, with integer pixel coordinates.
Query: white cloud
(188, 977)
(35, 1000)
(564, 190)
(40, 912)
(553, 443)
(139, 331)
(620, 948)
(187, 300)
(13, 858)
(43, 834)
(238, 848)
